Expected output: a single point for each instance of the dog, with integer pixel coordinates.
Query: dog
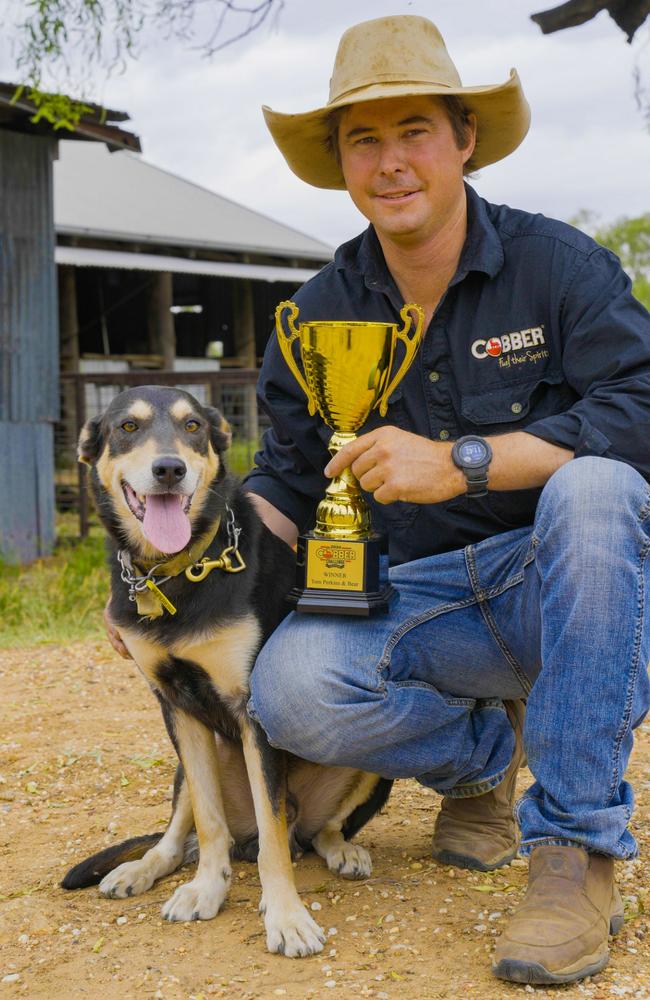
(197, 585)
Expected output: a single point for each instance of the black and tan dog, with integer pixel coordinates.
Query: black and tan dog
(198, 584)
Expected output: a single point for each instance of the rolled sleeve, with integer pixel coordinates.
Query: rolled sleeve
(606, 361)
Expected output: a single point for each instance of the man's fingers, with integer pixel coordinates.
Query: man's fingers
(350, 454)
(370, 480)
(385, 494)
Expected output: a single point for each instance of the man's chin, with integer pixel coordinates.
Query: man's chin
(399, 229)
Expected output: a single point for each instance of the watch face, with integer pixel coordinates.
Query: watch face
(473, 453)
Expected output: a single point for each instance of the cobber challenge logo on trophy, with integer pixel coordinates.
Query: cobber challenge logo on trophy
(338, 566)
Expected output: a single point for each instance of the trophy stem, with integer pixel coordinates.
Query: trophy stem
(343, 512)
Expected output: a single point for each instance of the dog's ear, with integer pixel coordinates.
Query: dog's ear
(91, 441)
(220, 433)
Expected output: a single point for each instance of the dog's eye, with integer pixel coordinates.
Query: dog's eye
(192, 426)
(129, 426)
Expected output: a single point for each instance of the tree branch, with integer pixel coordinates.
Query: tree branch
(629, 15)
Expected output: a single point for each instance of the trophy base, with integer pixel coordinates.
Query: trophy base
(341, 576)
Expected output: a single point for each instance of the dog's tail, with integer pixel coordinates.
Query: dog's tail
(93, 869)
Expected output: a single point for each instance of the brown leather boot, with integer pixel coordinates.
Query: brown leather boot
(559, 932)
(481, 832)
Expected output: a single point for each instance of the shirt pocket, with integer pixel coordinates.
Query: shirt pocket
(505, 408)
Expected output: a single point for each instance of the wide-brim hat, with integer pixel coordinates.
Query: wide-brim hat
(397, 57)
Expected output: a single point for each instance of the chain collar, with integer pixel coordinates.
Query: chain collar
(137, 584)
(144, 588)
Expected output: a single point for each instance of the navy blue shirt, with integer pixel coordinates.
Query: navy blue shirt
(537, 331)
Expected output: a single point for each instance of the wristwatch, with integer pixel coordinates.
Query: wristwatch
(473, 455)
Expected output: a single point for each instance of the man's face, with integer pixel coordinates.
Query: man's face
(402, 166)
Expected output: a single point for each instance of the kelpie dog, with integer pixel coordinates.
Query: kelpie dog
(198, 584)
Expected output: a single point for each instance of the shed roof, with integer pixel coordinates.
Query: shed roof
(119, 196)
(20, 114)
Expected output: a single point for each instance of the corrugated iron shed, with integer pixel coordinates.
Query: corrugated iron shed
(121, 197)
(17, 113)
(29, 376)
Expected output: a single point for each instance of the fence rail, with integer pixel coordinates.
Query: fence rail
(86, 394)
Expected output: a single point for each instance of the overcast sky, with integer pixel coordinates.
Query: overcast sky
(588, 147)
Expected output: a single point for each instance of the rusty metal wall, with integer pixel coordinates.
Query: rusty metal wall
(29, 356)
(26, 491)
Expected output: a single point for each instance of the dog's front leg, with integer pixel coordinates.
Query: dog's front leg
(290, 930)
(203, 897)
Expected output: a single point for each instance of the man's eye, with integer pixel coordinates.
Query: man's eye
(192, 426)
(129, 426)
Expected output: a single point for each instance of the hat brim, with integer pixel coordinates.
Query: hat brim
(501, 110)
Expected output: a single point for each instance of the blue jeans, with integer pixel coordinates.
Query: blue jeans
(556, 613)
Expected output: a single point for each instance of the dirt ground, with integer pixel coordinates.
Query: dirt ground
(84, 762)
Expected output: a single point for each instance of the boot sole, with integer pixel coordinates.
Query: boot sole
(466, 861)
(535, 974)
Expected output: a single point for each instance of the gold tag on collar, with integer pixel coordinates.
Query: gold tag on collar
(166, 603)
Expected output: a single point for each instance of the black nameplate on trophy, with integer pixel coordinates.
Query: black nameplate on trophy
(345, 577)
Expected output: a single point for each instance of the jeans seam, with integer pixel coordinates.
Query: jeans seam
(453, 700)
(530, 843)
(411, 623)
(482, 601)
(634, 672)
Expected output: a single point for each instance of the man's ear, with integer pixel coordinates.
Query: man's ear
(220, 433)
(91, 441)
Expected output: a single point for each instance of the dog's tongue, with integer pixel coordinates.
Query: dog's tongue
(165, 524)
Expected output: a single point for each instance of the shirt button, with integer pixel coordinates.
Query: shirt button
(516, 407)
(434, 376)
(444, 435)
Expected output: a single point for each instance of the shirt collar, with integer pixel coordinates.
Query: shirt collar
(482, 251)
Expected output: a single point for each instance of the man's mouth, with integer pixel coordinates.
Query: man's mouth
(163, 515)
(395, 195)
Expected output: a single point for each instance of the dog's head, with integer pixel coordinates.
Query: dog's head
(156, 454)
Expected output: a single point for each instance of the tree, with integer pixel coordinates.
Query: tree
(64, 42)
(629, 15)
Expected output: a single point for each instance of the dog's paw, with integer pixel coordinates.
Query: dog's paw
(291, 931)
(350, 861)
(200, 899)
(129, 879)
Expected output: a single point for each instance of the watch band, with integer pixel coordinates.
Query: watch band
(474, 467)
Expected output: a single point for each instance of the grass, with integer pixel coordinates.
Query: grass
(61, 598)
(57, 599)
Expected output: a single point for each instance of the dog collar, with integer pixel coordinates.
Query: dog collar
(144, 584)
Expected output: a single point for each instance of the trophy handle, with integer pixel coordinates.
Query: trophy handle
(411, 345)
(285, 346)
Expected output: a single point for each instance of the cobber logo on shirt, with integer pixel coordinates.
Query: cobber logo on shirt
(517, 341)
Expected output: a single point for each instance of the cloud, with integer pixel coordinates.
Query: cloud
(587, 147)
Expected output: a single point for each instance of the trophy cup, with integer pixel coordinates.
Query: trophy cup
(342, 563)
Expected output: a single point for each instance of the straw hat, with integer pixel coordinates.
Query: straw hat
(396, 57)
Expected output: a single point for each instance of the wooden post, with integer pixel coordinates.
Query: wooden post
(245, 350)
(69, 351)
(160, 319)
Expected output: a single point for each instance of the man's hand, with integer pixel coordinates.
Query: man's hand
(114, 635)
(393, 464)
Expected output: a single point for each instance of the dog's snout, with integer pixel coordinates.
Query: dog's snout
(169, 470)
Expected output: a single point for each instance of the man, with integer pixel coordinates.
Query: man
(530, 589)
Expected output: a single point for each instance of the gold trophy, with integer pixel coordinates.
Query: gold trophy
(342, 562)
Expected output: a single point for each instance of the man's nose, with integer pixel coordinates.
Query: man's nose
(391, 157)
(168, 470)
